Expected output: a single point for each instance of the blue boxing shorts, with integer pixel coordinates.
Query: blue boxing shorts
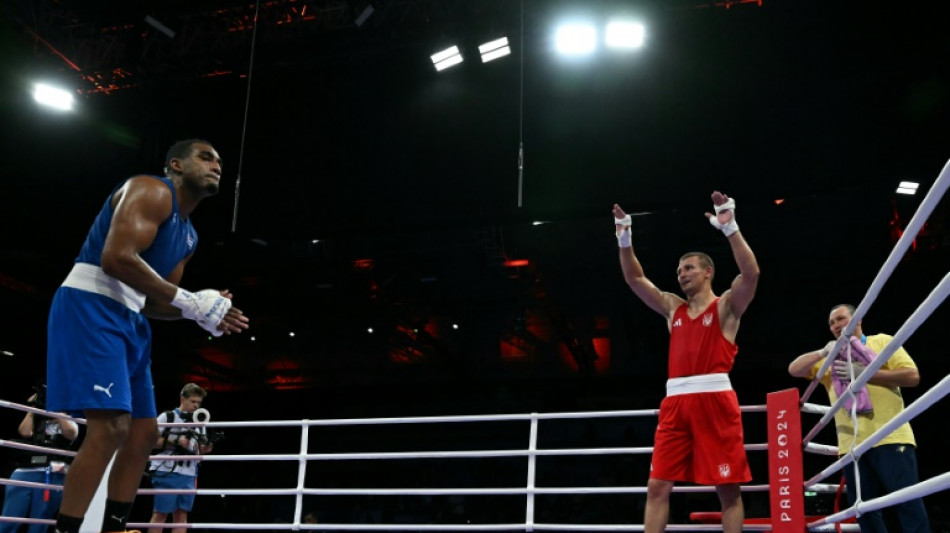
(98, 356)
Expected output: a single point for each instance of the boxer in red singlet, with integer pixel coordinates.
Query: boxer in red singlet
(699, 435)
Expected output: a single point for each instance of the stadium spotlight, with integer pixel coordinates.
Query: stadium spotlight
(907, 187)
(494, 49)
(627, 35)
(50, 96)
(447, 58)
(575, 39)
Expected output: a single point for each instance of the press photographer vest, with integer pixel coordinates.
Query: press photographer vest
(180, 467)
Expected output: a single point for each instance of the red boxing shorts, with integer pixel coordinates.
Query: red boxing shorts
(699, 440)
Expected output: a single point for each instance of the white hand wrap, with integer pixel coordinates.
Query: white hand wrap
(730, 227)
(623, 236)
(206, 307)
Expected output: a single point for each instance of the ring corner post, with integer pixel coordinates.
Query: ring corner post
(786, 481)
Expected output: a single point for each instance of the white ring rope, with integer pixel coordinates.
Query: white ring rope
(362, 456)
(930, 397)
(929, 203)
(821, 449)
(529, 490)
(933, 300)
(924, 311)
(815, 409)
(34, 410)
(924, 488)
(34, 448)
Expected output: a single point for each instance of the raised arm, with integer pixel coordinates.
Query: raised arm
(740, 294)
(742, 291)
(661, 302)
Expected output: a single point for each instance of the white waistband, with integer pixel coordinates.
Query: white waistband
(91, 278)
(698, 383)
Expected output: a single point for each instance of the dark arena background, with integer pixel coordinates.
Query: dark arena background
(396, 261)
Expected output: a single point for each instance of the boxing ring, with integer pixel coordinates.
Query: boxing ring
(530, 491)
(784, 447)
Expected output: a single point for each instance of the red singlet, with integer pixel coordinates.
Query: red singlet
(699, 436)
(697, 345)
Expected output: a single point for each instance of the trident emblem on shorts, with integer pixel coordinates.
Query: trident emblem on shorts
(724, 470)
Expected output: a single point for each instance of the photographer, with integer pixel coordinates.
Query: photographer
(175, 474)
(48, 432)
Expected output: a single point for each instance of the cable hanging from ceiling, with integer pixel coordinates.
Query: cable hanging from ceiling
(521, 114)
(247, 106)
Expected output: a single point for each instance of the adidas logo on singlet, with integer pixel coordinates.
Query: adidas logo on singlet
(679, 322)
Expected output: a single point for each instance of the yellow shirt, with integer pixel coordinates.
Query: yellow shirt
(887, 401)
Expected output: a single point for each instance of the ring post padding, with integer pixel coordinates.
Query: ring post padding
(786, 495)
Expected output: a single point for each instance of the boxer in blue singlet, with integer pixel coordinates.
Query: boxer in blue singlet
(98, 338)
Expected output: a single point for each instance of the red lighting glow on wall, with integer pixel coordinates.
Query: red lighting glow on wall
(289, 382)
(363, 264)
(218, 357)
(601, 348)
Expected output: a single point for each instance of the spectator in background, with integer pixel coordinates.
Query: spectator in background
(40, 430)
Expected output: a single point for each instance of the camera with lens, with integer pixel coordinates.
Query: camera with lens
(212, 437)
(204, 439)
(202, 416)
(40, 401)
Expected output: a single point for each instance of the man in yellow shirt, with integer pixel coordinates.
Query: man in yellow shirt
(892, 463)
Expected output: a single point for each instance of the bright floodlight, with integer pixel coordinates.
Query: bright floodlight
(494, 49)
(625, 35)
(446, 58)
(907, 187)
(53, 97)
(576, 39)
